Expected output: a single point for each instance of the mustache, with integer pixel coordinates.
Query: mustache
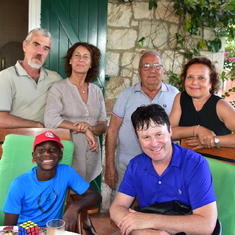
(38, 56)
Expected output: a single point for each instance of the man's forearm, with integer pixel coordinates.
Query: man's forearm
(117, 213)
(10, 121)
(190, 224)
(99, 129)
(201, 222)
(110, 148)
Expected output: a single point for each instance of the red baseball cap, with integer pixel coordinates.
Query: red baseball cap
(47, 136)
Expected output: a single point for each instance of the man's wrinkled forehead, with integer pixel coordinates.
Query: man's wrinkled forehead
(40, 40)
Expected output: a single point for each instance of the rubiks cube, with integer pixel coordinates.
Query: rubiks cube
(28, 228)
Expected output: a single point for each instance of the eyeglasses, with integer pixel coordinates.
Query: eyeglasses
(147, 66)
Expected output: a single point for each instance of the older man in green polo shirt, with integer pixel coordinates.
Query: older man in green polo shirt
(24, 87)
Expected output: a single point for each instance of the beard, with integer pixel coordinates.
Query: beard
(36, 65)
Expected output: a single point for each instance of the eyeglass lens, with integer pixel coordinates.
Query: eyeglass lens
(148, 66)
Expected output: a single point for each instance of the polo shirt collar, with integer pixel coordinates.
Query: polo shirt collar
(175, 160)
(20, 71)
(176, 156)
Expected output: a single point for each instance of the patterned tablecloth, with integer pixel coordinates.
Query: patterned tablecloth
(13, 230)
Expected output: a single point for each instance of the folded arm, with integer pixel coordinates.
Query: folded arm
(8, 120)
(201, 222)
(91, 138)
(98, 129)
(90, 198)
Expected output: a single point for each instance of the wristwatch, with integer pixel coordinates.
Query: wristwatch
(217, 140)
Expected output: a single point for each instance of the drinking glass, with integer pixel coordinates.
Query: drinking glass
(55, 227)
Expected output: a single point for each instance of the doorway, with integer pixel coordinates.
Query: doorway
(13, 30)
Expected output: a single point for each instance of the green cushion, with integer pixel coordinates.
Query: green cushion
(17, 159)
(224, 183)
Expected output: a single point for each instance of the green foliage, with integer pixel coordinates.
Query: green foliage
(174, 80)
(218, 16)
(197, 15)
(141, 41)
(152, 3)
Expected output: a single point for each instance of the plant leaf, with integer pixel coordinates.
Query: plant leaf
(141, 42)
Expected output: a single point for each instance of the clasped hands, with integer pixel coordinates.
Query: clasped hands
(86, 128)
(204, 139)
(138, 222)
(82, 126)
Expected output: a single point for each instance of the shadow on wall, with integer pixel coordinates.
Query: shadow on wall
(10, 53)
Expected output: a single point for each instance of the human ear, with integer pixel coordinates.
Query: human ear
(24, 45)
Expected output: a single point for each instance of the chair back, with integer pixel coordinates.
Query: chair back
(223, 175)
(17, 157)
(63, 134)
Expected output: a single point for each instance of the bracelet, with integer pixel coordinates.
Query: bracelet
(195, 129)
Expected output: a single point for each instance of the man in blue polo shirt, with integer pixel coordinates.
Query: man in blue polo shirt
(164, 172)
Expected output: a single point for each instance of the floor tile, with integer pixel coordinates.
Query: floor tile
(103, 226)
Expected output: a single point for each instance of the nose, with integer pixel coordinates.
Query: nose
(80, 58)
(47, 152)
(194, 81)
(40, 50)
(154, 141)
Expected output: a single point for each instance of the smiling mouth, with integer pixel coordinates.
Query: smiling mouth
(47, 161)
(156, 150)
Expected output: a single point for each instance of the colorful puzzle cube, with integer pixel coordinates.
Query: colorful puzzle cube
(28, 228)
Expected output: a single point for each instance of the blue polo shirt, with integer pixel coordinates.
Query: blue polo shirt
(187, 179)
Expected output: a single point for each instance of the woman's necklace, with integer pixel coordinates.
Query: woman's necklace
(85, 89)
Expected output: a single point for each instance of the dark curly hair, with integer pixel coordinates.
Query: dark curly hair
(141, 118)
(95, 60)
(214, 76)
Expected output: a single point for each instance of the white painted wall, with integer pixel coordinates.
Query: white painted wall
(34, 14)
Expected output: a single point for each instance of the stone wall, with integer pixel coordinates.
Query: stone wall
(127, 23)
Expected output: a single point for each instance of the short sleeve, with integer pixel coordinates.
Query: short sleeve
(14, 197)
(120, 105)
(200, 185)
(77, 183)
(54, 106)
(6, 92)
(102, 117)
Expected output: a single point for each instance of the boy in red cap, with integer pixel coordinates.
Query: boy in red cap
(39, 194)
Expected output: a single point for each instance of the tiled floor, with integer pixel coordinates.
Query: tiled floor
(103, 226)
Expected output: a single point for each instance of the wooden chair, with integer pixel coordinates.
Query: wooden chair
(222, 154)
(63, 134)
(90, 210)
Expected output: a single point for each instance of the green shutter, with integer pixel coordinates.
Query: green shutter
(70, 21)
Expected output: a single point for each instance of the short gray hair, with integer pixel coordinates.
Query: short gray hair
(40, 31)
(151, 52)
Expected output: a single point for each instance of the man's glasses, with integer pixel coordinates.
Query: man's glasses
(147, 66)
